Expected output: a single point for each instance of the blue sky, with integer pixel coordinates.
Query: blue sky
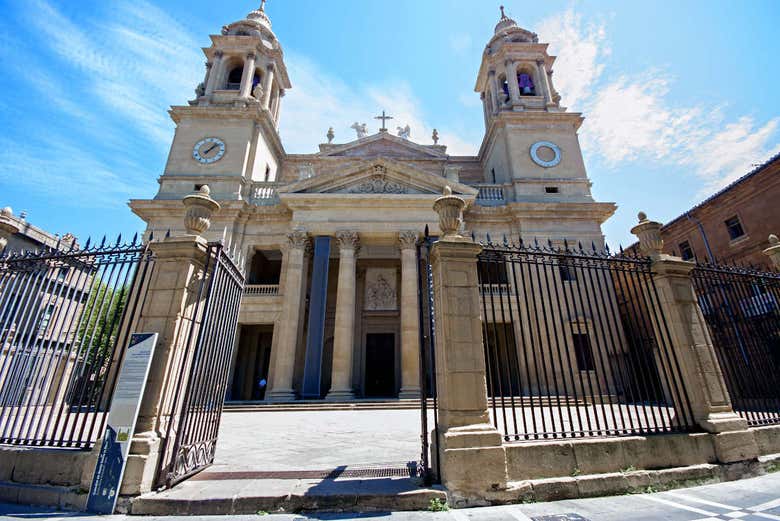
(679, 97)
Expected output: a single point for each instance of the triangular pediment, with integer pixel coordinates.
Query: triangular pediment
(383, 144)
(380, 176)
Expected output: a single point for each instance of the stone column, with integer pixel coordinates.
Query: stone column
(493, 85)
(545, 84)
(773, 252)
(691, 343)
(268, 81)
(472, 457)
(215, 73)
(292, 311)
(511, 80)
(410, 316)
(247, 75)
(344, 332)
(168, 310)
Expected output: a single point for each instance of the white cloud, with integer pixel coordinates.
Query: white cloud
(320, 100)
(461, 42)
(581, 49)
(632, 118)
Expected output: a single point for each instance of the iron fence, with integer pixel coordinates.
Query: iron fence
(65, 315)
(577, 345)
(202, 372)
(740, 306)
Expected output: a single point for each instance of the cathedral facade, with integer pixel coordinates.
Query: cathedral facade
(330, 308)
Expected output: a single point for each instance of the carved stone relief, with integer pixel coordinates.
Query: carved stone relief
(381, 289)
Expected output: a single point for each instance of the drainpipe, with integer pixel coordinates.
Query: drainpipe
(724, 298)
(703, 236)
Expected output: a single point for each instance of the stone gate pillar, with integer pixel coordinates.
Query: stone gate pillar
(472, 457)
(690, 339)
(169, 309)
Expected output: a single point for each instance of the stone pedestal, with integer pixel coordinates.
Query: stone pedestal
(692, 345)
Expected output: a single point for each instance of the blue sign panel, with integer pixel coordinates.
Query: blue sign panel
(312, 367)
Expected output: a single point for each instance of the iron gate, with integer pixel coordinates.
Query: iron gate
(428, 399)
(65, 316)
(201, 384)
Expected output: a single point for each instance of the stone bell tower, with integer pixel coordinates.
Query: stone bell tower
(227, 136)
(531, 145)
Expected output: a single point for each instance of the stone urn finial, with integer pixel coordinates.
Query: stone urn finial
(199, 207)
(8, 226)
(773, 252)
(649, 234)
(450, 209)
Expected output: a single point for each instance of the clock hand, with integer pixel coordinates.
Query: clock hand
(212, 147)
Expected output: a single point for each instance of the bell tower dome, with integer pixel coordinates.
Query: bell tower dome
(227, 137)
(531, 147)
(516, 72)
(245, 66)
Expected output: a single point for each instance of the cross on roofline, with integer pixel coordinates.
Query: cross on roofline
(384, 118)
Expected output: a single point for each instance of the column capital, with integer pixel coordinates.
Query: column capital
(299, 239)
(219, 54)
(348, 240)
(251, 54)
(407, 239)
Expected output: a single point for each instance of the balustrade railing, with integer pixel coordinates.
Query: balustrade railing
(261, 290)
(490, 194)
(264, 193)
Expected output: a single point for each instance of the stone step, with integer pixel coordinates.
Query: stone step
(242, 497)
(357, 405)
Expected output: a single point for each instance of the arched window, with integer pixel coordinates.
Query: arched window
(525, 81)
(234, 78)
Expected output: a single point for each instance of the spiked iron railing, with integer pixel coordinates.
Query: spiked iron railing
(65, 316)
(576, 344)
(741, 306)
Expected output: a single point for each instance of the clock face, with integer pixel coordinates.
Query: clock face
(208, 150)
(545, 154)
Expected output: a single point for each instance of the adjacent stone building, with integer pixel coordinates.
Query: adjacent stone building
(329, 238)
(733, 225)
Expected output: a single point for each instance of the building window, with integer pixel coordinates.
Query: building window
(45, 319)
(551, 189)
(566, 270)
(686, 252)
(267, 173)
(583, 352)
(735, 228)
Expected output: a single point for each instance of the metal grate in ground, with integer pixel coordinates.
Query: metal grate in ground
(410, 470)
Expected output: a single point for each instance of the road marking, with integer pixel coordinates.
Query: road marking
(694, 499)
(679, 505)
(766, 506)
(766, 516)
(519, 515)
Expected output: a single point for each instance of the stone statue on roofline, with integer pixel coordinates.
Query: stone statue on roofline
(360, 129)
(404, 132)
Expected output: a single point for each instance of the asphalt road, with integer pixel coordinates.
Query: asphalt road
(755, 499)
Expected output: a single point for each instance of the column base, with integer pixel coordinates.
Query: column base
(281, 395)
(718, 422)
(340, 395)
(409, 393)
(141, 467)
